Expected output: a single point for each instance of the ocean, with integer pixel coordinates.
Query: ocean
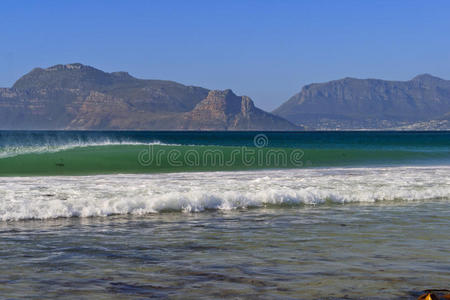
(192, 215)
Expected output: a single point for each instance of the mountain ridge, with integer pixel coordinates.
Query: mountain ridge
(352, 103)
(81, 97)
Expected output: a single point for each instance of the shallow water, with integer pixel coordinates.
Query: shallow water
(381, 251)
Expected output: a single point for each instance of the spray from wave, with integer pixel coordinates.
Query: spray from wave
(11, 151)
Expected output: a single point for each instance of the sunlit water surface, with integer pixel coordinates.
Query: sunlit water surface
(381, 251)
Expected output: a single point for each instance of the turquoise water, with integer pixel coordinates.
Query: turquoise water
(307, 215)
(83, 153)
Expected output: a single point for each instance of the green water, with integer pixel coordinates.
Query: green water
(84, 153)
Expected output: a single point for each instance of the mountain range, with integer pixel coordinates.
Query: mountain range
(80, 97)
(421, 103)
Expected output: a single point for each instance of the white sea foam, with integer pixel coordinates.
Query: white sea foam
(86, 196)
(11, 151)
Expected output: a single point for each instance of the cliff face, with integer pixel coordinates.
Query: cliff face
(355, 103)
(38, 109)
(223, 110)
(76, 96)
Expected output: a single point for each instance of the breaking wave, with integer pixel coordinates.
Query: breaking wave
(104, 195)
(12, 151)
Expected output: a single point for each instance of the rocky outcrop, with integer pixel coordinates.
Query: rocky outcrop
(352, 103)
(223, 110)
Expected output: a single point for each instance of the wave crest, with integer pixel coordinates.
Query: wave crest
(11, 151)
(89, 196)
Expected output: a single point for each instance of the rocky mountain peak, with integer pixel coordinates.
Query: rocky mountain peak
(74, 66)
(225, 102)
(224, 110)
(79, 76)
(426, 76)
(226, 95)
(72, 76)
(228, 102)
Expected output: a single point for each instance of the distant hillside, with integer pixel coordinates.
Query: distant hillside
(225, 111)
(352, 103)
(76, 96)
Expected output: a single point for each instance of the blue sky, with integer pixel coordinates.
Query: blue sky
(264, 49)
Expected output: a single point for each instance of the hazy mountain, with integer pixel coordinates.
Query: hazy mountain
(352, 103)
(226, 111)
(76, 96)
